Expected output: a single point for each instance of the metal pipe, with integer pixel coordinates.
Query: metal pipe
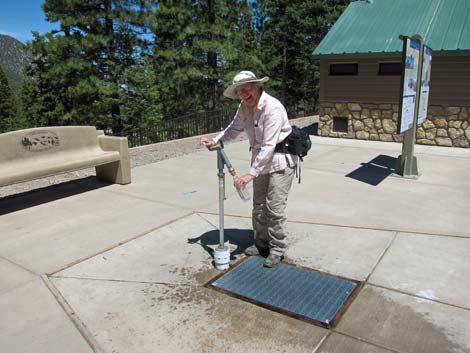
(222, 252)
(221, 175)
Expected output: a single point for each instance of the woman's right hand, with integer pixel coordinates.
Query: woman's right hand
(206, 142)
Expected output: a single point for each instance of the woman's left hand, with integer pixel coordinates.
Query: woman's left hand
(243, 180)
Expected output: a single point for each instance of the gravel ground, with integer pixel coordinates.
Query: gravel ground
(139, 156)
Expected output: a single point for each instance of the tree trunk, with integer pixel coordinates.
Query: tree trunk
(284, 72)
(109, 34)
(211, 59)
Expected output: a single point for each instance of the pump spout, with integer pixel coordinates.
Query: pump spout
(225, 159)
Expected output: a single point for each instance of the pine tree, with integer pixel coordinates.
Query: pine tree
(140, 99)
(199, 46)
(6, 100)
(78, 70)
(289, 35)
(175, 68)
(100, 67)
(244, 47)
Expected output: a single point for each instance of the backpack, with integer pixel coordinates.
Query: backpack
(297, 143)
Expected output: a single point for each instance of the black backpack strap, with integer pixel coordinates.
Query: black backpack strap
(300, 169)
(281, 147)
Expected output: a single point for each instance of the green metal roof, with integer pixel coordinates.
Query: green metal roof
(374, 26)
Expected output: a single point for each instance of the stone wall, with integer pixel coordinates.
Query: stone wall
(444, 126)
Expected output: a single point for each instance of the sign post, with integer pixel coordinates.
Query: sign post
(414, 101)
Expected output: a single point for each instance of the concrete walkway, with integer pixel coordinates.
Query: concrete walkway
(90, 267)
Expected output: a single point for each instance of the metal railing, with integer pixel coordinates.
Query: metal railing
(193, 124)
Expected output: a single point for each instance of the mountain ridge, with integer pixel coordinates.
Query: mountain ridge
(14, 58)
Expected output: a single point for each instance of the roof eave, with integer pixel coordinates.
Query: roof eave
(356, 55)
(386, 54)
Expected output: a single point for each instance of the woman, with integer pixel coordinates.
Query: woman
(264, 119)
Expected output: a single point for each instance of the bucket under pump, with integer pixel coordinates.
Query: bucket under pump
(222, 251)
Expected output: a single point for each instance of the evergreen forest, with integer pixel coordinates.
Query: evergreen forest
(126, 64)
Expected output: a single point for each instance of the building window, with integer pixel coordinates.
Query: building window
(343, 69)
(340, 124)
(390, 69)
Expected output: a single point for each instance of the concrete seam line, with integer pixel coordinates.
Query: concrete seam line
(123, 193)
(418, 296)
(207, 221)
(20, 266)
(364, 341)
(376, 228)
(381, 257)
(168, 284)
(119, 244)
(81, 327)
(296, 221)
(317, 347)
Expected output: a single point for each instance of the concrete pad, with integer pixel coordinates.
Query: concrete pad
(189, 181)
(389, 146)
(344, 142)
(148, 318)
(378, 166)
(445, 171)
(13, 276)
(396, 204)
(147, 254)
(32, 321)
(344, 160)
(44, 239)
(336, 343)
(442, 151)
(180, 252)
(437, 165)
(406, 324)
(348, 252)
(433, 267)
(335, 191)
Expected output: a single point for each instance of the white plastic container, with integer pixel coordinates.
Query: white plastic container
(222, 258)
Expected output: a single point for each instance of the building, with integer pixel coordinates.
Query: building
(360, 70)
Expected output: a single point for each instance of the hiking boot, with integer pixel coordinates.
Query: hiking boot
(272, 260)
(255, 251)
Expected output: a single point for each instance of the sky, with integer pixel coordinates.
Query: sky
(18, 18)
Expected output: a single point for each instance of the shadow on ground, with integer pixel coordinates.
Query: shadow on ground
(374, 171)
(240, 238)
(24, 200)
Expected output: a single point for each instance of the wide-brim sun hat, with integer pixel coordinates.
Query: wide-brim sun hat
(240, 79)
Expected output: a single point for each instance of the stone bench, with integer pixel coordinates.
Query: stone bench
(41, 152)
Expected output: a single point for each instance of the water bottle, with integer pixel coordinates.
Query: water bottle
(243, 192)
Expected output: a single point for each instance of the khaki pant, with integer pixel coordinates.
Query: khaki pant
(270, 193)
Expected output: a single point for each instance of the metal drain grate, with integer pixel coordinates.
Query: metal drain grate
(295, 291)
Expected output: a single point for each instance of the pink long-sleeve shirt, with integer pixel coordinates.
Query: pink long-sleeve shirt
(265, 126)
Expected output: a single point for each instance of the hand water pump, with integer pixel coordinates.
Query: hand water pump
(222, 251)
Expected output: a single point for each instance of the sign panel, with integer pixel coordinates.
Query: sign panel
(409, 83)
(425, 80)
